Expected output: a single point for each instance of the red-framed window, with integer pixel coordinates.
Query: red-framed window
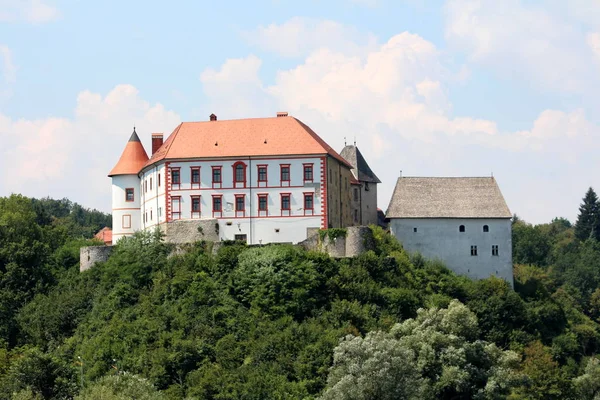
(217, 205)
(286, 203)
(196, 212)
(262, 174)
(309, 203)
(240, 205)
(129, 196)
(239, 174)
(308, 173)
(284, 174)
(175, 178)
(126, 221)
(195, 177)
(263, 204)
(217, 176)
(176, 207)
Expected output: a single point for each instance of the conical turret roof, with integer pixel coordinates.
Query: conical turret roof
(133, 158)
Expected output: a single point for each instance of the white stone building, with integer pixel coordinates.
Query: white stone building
(364, 187)
(464, 222)
(262, 180)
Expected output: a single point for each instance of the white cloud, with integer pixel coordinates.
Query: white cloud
(523, 41)
(394, 100)
(9, 70)
(299, 37)
(32, 11)
(593, 40)
(71, 157)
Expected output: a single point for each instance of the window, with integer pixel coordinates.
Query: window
(176, 207)
(195, 206)
(366, 186)
(355, 215)
(263, 204)
(494, 249)
(150, 186)
(195, 177)
(126, 221)
(486, 228)
(240, 238)
(150, 215)
(145, 185)
(240, 204)
(216, 176)
(355, 194)
(175, 178)
(262, 173)
(461, 228)
(159, 212)
(239, 174)
(129, 194)
(285, 174)
(308, 172)
(158, 180)
(217, 205)
(285, 202)
(415, 230)
(473, 250)
(308, 201)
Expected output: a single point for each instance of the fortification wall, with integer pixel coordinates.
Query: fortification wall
(358, 240)
(188, 231)
(90, 255)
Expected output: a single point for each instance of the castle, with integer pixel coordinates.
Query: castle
(274, 180)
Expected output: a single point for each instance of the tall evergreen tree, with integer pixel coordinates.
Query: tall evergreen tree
(588, 220)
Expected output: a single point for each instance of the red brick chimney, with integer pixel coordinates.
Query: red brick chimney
(157, 141)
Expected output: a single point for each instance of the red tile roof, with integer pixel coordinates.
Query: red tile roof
(104, 234)
(132, 159)
(281, 136)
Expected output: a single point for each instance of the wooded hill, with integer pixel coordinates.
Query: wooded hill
(277, 322)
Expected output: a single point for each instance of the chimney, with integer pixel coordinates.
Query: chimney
(213, 117)
(157, 141)
(282, 114)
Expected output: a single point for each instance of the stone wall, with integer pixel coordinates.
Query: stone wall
(90, 255)
(188, 231)
(358, 240)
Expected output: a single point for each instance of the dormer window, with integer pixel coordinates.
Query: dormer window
(461, 228)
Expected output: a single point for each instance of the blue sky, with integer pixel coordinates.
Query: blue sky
(436, 88)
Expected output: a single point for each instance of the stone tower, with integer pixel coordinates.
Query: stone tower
(126, 189)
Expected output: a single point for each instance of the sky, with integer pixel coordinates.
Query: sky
(426, 88)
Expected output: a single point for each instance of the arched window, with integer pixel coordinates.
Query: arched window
(486, 228)
(239, 173)
(461, 228)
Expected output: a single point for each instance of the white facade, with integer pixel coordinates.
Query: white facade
(164, 201)
(442, 238)
(125, 206)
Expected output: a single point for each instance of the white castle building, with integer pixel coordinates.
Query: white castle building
(464, 222)
(262, 180)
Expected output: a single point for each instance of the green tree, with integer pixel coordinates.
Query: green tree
(588, 222)
(123, 386)
(587, 386)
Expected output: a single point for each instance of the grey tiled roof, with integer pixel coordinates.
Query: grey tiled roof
(420, 197)
(361, 169)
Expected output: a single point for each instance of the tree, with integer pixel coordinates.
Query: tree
(437, 355)
(588, 220)
(120, 387)
(587, 385)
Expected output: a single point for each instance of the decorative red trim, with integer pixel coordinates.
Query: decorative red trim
(195, 185)
(312, 172)
(132, 195)
(196, 213)
(264, 196)
(235, 181)
(276, 216)
(281, 180)
(167, 197)
(123, 209)
(324, 183)
(220, 211)
(237, 210)
(217, 184)
(123, 225)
